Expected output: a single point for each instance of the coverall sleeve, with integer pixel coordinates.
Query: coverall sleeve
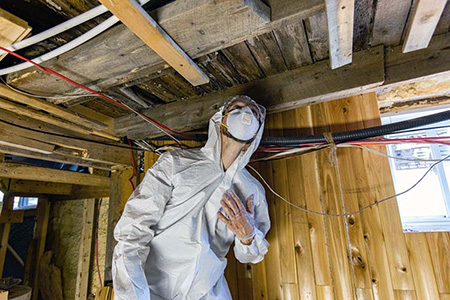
(133, 232)
(254, 253)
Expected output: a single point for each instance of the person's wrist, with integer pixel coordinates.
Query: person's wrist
(248, 242)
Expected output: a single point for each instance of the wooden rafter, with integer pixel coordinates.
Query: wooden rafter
(424, 21)
(340, 31)
(148, 30)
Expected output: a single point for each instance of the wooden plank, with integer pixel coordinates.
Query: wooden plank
(17, 171)
(56, 157)
(267, 53)
(424, 21)
(84, 258)
(83, 192)
(43, 212)
(93, 149)
(389, 22)
(363, 22)
(12, 29)
(23, 110)
(4, 237)
(285, 235)
(337, 237)
(120, 190)
(316, 224)
(51, 108)
(299, 87)
(11, 216)
(397, 253)
(422, 266)
(405, 295)
(293, 44)
(244, 62)
(340, 16)
(297, 195)
(439, 245)
(18, 186)
(231, 274)
(444, 23)
(8, 138)
(139, 21)
(445, 296)
(316, 30)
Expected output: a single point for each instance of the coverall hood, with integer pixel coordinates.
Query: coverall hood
(213, 146)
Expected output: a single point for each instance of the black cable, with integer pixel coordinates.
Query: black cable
(359, 134)
(70, 137)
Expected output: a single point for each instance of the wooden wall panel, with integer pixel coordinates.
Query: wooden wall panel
(386, 263)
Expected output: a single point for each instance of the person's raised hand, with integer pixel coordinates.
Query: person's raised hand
(239, 219)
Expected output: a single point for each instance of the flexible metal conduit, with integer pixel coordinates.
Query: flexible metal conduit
(360, 133)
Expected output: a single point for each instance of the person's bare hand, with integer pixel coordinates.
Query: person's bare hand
(239, 219)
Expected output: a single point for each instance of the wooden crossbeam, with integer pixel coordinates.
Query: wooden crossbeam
(29, 187)
(424, 21)
(8, 138)
(141, 24)
(12, 29)
(340, 31)
(25, 172)
(11, 216)
(300, 87)
(51, 108)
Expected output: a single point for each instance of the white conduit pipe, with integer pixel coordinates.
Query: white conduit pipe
(86, 16)
(65, 48)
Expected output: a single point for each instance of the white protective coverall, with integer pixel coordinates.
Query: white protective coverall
(171, 243)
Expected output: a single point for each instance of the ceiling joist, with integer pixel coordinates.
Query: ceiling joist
(340, 31)
(423, 24)
(140, 23)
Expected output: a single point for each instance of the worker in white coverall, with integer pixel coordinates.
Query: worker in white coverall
(178, 225)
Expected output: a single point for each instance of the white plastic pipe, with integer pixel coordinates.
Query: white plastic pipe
(86, 16)
(70, 45)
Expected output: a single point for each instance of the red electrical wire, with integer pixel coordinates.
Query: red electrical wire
(132, 163)
(48, 70)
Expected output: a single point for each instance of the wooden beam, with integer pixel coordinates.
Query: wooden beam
(51, 108)
(11, 216)
(18, 186)
(402, 68)
(17, 171)
(424, 21)
(8, 138)
(83, 192)
(8, 202)
(12, 29)
(84, 258)
(43, 213)
(139, 21)
(284, 91)
(66, 158)
(120, 191)
(340, 31)
(29, 112)
(93, 152)
(196, 25)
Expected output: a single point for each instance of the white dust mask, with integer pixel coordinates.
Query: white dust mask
(242, 124)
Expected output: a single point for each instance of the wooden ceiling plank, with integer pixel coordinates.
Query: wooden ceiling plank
(118, 56)
(267, 53)
(139, 21)
(389, 22)
(25, 172)
(423, 24)
(340, 15)
(244, 62)
(316, 30)
(51, 108)
(299, 87)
